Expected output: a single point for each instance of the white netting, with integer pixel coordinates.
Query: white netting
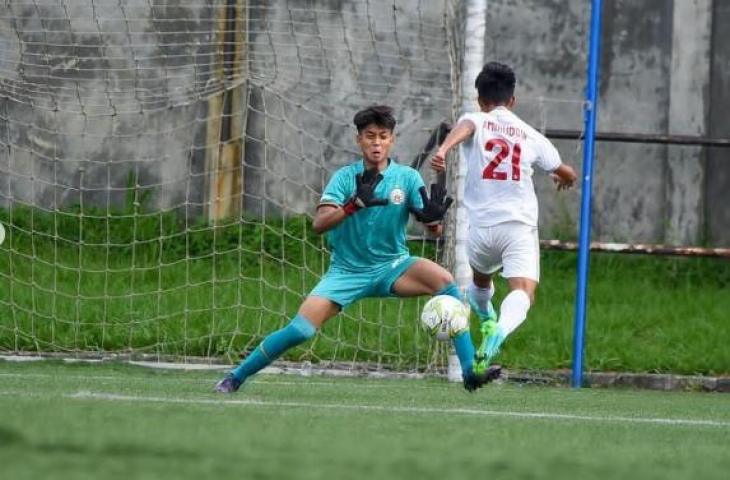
(160, 161)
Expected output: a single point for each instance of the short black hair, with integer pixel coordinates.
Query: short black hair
(380, 115)
(496, 83)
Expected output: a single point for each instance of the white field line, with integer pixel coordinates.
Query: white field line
(277, 367)
(407, 410)
(178, 379)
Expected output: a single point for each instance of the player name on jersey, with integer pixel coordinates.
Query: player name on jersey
(509, 130)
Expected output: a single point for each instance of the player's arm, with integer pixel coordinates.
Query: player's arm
(464, 130)
(549, 160)
(328, 216)
(564, 176)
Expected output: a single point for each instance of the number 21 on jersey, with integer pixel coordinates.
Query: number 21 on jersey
(504, 152)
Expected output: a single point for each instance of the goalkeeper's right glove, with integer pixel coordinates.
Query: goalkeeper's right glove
(364, 197)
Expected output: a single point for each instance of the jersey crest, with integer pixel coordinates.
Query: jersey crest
(397, 196)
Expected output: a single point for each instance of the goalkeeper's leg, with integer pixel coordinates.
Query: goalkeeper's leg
(312, 314)
(462, 342)
(464, 347)
(426, 277)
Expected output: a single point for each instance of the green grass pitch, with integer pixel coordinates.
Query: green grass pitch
(79, 421)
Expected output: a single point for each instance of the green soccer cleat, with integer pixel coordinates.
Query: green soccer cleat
(492, 339)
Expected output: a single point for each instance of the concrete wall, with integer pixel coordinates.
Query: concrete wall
(717, 181)
(659, 59)
(95, 95)
(654, 78)
(312, 63)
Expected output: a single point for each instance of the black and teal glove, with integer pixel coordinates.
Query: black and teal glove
(434, 208)
(364, 197)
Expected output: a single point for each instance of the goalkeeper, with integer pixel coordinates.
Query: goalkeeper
(364, 210)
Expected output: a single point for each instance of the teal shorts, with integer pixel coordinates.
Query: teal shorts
(344, 287)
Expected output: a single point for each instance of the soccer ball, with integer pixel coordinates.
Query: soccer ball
(445, 317)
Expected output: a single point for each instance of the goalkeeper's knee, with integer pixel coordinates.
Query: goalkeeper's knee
(301, 328)
(452, 290)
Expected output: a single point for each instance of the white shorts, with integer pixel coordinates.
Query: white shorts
(512, 246)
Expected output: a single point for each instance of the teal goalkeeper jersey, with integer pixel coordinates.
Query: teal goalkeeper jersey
(375, 235)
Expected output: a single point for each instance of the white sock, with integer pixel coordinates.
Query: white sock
(513, 311)
(481, 296)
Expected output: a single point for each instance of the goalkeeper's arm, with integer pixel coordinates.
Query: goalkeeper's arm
(328, 216)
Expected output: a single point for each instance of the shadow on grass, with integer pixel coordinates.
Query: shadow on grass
(10, 437)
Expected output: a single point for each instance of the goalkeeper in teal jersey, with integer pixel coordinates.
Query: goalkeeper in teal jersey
(364, 211)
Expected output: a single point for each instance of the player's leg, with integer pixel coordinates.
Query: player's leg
(514, 307)
(334, 291)
(485, 260)
(479, 294)
(521, 260)
(425, 277)
(512, 312)
(312, 314)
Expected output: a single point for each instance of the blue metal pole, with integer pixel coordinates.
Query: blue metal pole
(591, 106)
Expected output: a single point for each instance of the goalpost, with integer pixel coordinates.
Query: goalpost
(160, 163)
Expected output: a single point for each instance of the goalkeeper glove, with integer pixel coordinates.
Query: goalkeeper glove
(434, 209)
(364, 197)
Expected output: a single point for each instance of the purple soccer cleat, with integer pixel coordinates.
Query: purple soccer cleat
(229, 384)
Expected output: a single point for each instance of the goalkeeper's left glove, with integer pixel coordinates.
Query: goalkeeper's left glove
(434, 209)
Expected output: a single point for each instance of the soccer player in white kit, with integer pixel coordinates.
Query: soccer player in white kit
(500, 151)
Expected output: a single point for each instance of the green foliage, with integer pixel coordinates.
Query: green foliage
(147, 282)
(159, 235)
(645, 314)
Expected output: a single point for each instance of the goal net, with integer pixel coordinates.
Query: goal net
(160, 162)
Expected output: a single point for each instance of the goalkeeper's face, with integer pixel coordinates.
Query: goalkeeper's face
(375, 142)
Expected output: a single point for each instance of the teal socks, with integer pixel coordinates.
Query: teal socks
(452, 290)
(462, 342)
(299, 330)
(465, 351)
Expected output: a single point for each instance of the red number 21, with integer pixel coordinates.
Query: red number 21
(489, 172)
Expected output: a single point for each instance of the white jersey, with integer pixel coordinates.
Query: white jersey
(499, 166)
